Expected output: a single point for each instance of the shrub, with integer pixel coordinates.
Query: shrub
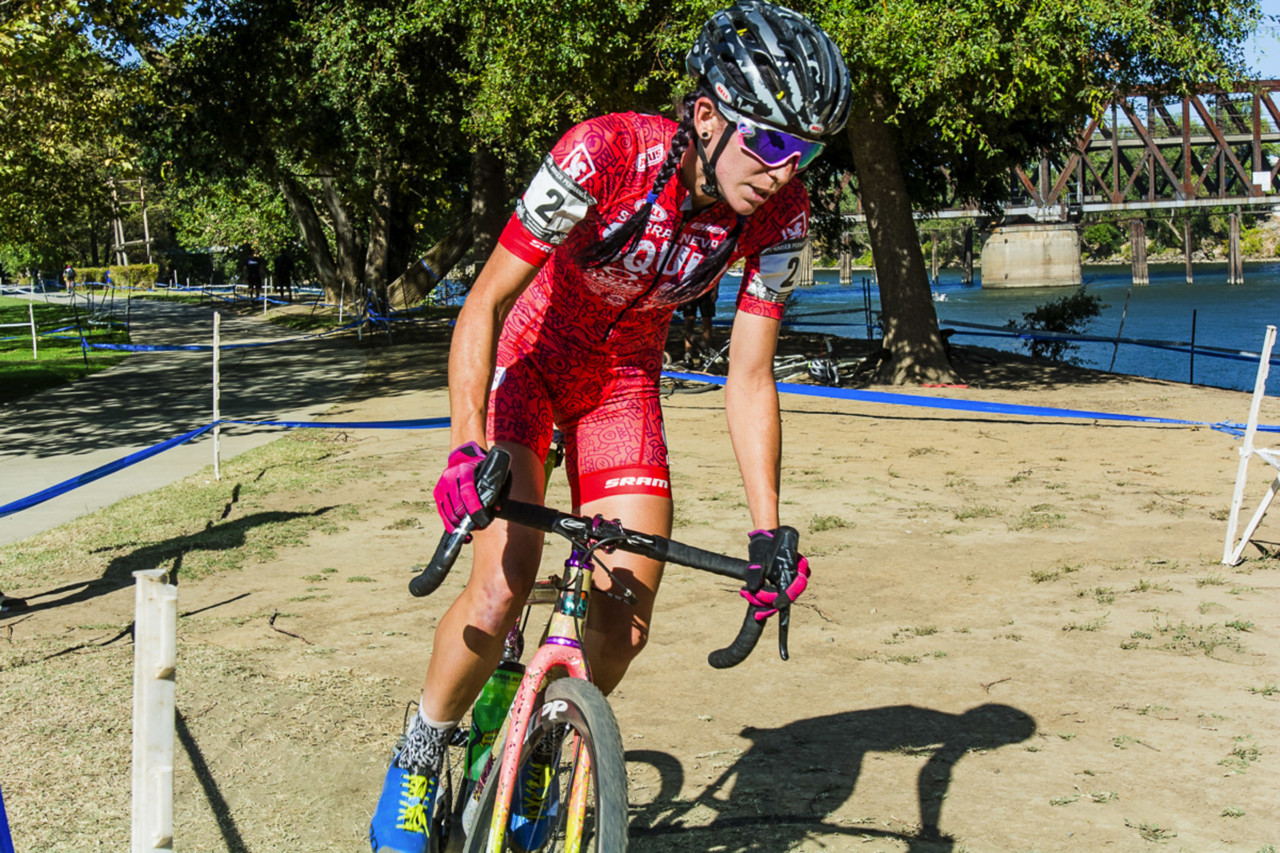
(1103, 240)
(1069, 315)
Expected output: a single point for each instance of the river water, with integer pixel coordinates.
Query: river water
(1231, 317)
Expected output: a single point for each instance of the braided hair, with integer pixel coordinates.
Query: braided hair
(624, 237)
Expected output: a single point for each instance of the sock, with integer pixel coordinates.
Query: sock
(425, 745)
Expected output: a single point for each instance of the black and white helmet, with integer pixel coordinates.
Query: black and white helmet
(775, 65)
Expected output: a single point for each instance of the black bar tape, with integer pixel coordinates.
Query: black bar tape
(434, 573)
(741, 647)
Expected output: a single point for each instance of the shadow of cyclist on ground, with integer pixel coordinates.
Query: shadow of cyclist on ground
(168, 554)
(794, 777)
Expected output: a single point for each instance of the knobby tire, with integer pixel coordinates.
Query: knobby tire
(590, 716)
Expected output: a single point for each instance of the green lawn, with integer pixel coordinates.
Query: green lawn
(58, 359)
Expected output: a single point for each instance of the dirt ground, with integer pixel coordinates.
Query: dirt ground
(1018, 637)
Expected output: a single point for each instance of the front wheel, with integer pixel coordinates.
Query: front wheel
(573, 712)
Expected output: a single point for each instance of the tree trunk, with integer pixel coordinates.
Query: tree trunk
(304, 214)
(377, 256)
(907, 314)
(425, 273)
(489, 210)
(348, 241)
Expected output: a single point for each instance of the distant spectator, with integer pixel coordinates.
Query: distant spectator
(696, 345)
(106, 278)
(282, 273)
(69, 276)
(253, 275)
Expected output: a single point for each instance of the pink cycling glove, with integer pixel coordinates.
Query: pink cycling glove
(455, 493)
(773, 553)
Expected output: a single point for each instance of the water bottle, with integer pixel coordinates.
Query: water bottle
(487, 715)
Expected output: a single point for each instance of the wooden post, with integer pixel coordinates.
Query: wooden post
(1191, 379)
(217, 393)
(154, 660)
(1138, 242)
(966, 273)
(1186, 246)
(846, 260)
(31, 312)
(805, 279)
(1124, 312)
(1235, 267)
(933, 261)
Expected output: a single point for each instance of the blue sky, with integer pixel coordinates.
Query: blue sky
(1264, 51)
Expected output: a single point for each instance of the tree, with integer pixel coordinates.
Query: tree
(65, 90)
(970, 88)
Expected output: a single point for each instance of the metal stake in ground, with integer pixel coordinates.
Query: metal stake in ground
(217, 393)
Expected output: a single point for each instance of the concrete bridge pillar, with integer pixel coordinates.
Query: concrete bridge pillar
(1033, 255)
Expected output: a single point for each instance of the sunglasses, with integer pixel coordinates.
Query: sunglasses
(774, 147)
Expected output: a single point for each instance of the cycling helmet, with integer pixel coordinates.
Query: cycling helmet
(775, 65)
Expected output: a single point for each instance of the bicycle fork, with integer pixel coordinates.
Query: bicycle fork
(561, 650)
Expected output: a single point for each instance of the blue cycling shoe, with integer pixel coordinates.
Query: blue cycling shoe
(402, 821)
(534, 815)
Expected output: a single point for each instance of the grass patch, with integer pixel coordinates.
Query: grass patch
(1244, 753)
(1048, 575)
(978, 511)
(1038, 517)
(1151, 831)
(198, 526)
(1186, 637)
(1100, 594)
(820, 523)
(1090, 626)
(59, 359)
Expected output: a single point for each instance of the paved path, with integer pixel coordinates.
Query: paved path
(150, 397)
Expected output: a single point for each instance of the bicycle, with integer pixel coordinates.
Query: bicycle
(584, 739)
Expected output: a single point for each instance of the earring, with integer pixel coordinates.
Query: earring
(706, 134)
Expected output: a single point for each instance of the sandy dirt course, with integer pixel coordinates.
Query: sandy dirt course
(1018, 637)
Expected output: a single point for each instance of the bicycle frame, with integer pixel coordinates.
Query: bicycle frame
(561, 649)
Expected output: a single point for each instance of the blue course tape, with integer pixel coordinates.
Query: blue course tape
(423, 423)
(889, 398)
(134, 458)
(6, 840)
(98, 473)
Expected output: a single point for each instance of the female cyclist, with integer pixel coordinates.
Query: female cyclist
(629, 217)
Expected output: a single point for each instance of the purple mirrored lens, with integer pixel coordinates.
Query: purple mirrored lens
(775, 147)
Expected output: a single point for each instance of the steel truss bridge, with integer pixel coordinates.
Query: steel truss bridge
(1216, 148)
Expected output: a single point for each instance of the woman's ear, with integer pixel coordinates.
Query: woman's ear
(706, 119)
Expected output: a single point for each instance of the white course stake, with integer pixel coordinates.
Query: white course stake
(1233, 550)
(31, 312)
(155, 630)
(217, 391)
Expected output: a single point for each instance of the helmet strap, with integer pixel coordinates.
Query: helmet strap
(710, 185)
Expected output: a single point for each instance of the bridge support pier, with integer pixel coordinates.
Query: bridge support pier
(1035, 255)
(1186, 247)
(1235, 266)
(966, 263)
(1138, 251)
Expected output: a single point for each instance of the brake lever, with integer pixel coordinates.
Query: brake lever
(784, 622)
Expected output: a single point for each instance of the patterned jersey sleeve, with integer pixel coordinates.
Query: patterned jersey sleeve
(774, 243)
(579, 170)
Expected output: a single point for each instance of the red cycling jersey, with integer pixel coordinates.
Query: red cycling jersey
(583, 347)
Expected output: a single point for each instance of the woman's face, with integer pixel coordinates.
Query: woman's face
(745, 181)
